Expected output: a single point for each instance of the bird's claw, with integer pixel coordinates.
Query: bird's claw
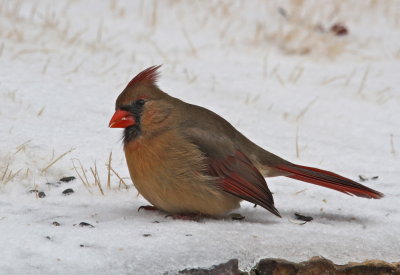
(148, 208)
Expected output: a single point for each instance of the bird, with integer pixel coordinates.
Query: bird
(187, 160)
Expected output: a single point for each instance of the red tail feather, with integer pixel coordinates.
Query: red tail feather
(329, 180)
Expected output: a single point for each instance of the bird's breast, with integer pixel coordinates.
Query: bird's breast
(168, 171)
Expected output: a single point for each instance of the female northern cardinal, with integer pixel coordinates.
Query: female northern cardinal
(185, 159)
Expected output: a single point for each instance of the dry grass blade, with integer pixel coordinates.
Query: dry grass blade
(332, 79)
(94, 175)
(304, 111)
(76, 37)
(153, 19)
(27, 173)
(297, 76)
(5, 172)
(84, 173)
(193, 49)
(57, 159)
(121, 180)
(96, 179)
(44, 70)
(109, 171)
(77, 67)
(29, 51)
(11, 176)
(190, 78)
(280, 80)
(41, 111)
(52, 154)
(275, 71)
(364, 79)
(79, 175)
(297, 143)
(348, 79)
(22, 147)
(294, 74)
(299, 192)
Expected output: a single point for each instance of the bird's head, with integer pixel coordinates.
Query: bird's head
(142, 109)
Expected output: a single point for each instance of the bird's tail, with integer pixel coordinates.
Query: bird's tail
(328, 179)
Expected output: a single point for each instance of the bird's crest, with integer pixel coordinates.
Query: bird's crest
(149, 75)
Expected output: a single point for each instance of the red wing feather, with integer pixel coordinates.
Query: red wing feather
(329, 180)
(239, 177)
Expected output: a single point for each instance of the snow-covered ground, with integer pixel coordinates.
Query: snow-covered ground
(271, 68)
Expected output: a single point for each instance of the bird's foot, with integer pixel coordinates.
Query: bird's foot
(187, 217)
(148, 208)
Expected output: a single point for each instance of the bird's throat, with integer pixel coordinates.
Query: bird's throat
(131, 133)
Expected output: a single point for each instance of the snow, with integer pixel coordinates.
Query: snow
(276, 79)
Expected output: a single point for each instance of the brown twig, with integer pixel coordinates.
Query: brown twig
(109, 171)
(348, 79)
(364, 79)
(123, 182)
(280, 80)
(44, 70)
(96, 179)
(193, 49)
(5, 172)
(84, 173)
(10, 176)
(79, 175)
(304, 111)
(332, 79)
(298, 75)
(22, 146)
(57, 159)
(293, 75)
(41, 111)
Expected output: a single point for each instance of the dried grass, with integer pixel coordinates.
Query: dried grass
(57, 159)
(22, 147)
(94, 181)
(120, 179)
(305, 109)
(97, 178)
(363, 80)
(109, 171)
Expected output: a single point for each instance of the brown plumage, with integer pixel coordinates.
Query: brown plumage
(185, 159)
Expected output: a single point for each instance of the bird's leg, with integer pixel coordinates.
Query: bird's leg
(148, 208)
(187, 216)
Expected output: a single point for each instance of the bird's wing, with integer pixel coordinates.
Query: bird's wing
(235, 172)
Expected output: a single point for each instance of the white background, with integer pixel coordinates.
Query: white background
(272, 69)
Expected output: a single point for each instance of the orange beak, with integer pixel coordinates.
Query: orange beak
(121, 119)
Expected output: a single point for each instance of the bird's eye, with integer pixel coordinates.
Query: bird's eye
(140, 102)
